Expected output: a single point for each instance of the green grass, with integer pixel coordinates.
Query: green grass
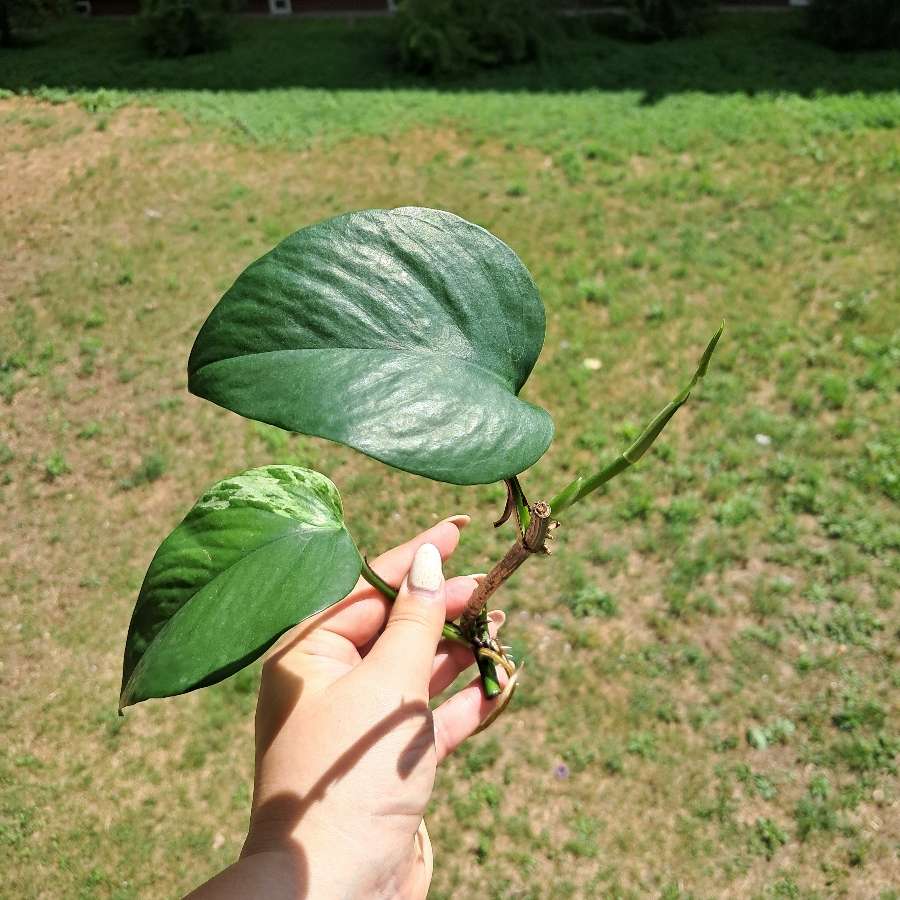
(710, 700)
(595, 98)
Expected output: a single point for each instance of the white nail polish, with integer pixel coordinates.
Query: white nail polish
(426, 573)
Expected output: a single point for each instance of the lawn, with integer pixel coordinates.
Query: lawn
(710, 704)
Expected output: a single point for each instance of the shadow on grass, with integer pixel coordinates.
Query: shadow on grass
(749, 53)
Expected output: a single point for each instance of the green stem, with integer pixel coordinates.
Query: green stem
(580, 487)
(490, 683)
(449, 632)
(377, 581)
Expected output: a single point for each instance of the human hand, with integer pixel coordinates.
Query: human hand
(346, 745)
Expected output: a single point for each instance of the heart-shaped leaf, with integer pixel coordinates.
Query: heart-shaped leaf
(406, 334)
(257, 554)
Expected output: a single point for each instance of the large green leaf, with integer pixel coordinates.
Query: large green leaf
(406, 334)
(257, 554)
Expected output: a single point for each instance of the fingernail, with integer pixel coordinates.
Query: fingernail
(479, 576)
(426, 574)
(460, 520)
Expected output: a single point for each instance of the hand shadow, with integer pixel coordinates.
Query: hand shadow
(283, 812)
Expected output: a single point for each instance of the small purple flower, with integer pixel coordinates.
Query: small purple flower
(561, 771)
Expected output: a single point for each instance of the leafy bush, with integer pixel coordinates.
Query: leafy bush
(856, 24)
(182, 27)
(447, 37)
(658, 19)
(24, 19)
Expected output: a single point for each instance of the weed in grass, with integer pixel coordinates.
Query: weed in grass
(857, 714)
(637, 505)
(55, 466)
(802, 403)
(852, 626)
(862, 754)
(768, 637)
(878, 466)
(89, 350)
(721, 807)
(757, 783)
(642, 744)
(583, 843)
(96, 318)
(683, 511)
(577, 758)
(593, 291)
(737, 509)
(815, 813)
(151, 467)
(783, 533)
(767, 837)
(787, 888)
(89, 431)
(778, 732)
(484, 846)
(835, 391)
(480, 757)
(591, 601)
(613, 763)
(767, 599)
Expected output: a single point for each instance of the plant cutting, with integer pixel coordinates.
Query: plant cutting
(406, 334)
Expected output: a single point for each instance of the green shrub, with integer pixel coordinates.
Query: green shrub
(447, 37)
(183, 27)
(23, 20)
(663, 19)
(856, 24)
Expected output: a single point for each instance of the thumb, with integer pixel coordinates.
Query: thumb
(404, 654)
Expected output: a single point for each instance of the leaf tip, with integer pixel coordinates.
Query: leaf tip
(126, 698)
(708, 352)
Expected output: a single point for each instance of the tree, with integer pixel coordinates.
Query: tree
(22, 19)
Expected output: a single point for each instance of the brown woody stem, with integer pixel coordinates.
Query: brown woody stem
(533, 541)
(473, 624)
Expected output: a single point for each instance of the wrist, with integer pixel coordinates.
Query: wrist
(321, 864)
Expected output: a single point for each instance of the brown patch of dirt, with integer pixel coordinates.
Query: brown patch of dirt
(32, 171)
